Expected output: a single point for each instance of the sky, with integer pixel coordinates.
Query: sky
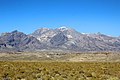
(85, 16)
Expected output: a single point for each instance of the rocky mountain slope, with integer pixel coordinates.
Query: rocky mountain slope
(18, 41)
(62, 38)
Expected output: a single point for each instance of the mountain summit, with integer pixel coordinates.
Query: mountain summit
(62, 38)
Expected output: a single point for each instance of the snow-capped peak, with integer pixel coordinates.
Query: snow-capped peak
(85, 33)
(63, 28)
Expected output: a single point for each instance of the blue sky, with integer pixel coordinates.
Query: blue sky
(88, 16)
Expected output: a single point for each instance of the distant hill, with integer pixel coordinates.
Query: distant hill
(63, 39)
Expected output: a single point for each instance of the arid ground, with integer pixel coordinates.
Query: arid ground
(59, 66)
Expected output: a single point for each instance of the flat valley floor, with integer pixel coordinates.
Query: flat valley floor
(59, 66)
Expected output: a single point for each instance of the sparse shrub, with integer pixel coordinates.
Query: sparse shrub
(59, 70)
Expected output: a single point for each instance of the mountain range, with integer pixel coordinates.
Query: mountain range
(63, 39)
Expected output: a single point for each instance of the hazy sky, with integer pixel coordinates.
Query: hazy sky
(88, 16)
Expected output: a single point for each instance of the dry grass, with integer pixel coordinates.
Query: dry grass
(59, 70)
(59, 66)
